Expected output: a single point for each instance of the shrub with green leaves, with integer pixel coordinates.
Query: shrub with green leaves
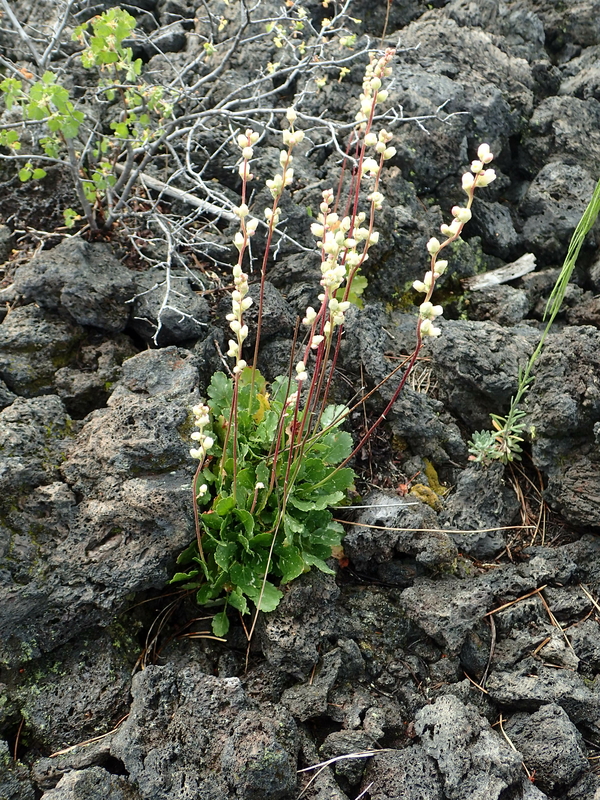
(262, 501)
(139, 113)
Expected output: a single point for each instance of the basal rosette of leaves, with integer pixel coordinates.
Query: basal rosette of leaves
(263, 512)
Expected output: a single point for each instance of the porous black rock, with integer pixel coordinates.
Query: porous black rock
(82, 281)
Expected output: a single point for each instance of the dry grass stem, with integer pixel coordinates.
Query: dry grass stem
(89, 741)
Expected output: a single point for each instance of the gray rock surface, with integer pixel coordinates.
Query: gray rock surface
(119, 506)
(291, 635)
(375, 551)
(34, 344)
(82, 281)
(93, 783)
(552, 207)
(551, 745)
(481, 501)
(565, 408)
(477, 364)
(194, 735)
(534, 685)
(402, 774)
(166, 310)
(473, 759)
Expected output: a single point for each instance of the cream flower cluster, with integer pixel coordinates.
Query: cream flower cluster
(371, 88)
(239, 303)
(201, 420)
(477, 177)
(291, 138)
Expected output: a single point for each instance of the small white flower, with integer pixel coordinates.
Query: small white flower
(316, 341)
(197, 453)
(241, 211)
(370, 166)
(251, 227)
(483, 153)
(486, 177)
(451, 230)
(310, 317)
(388, 153)
(317, 230)
(476, 166)
(429, 329)
(207, 443)
(461, 214)
(420, 287)
(371, 139)
(247, 153)
(291, 115)
(202, 490)
(468, 181)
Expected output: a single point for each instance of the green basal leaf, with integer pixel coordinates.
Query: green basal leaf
(245, 578)
(270, 599)
(237, 600)
(261, 540)
(263, 473)
(318, 563)
(220, 392)
(333, 415)
(339, 446)
(225, 553)
(220, 624)
(247, 520)
(224, 506)
(204, 594)
(184, 576)
(290, 563)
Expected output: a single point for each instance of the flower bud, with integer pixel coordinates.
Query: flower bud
(433, 246)
(291, 115)
(247, 153)
(388, 153)
(251, 226)
(419, 286)
(371, 139)
(461, 214)
(382, 96)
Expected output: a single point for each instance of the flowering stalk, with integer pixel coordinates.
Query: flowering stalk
(476, 178)
(239, 301)
(276, 185)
